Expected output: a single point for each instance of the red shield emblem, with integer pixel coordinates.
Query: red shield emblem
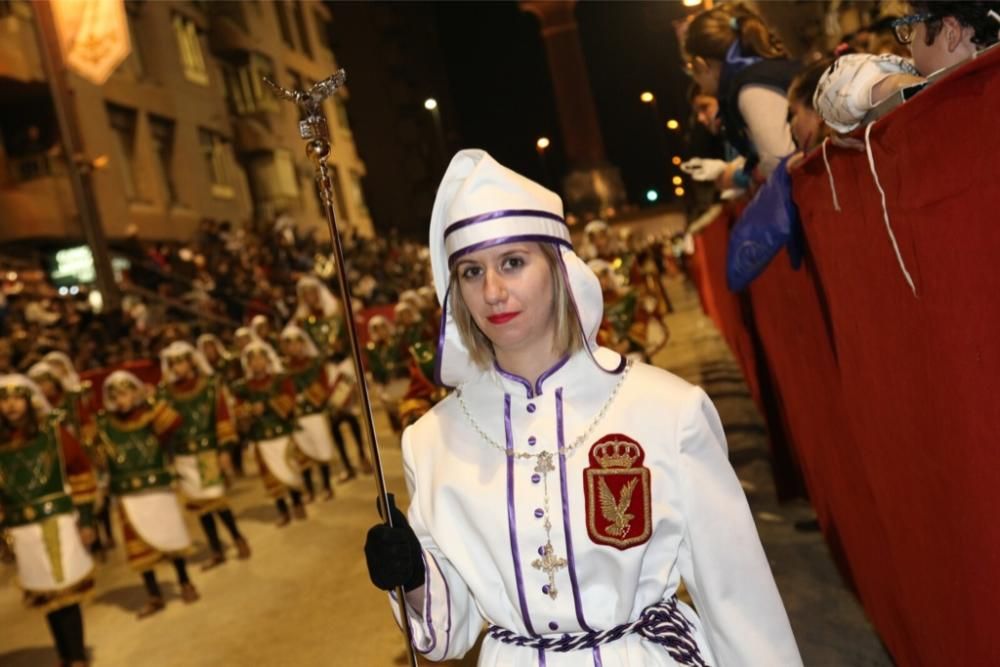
(617, 490)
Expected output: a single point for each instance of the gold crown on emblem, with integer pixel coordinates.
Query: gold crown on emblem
(617, 454)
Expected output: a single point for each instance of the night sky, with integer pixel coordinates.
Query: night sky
(501, 86)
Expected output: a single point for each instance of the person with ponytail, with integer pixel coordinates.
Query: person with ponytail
(733, 56)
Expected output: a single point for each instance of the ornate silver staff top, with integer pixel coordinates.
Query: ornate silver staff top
(313, 129)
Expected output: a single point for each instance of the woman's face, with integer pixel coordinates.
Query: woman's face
(311, 296)
(124, 397)
(51, 390)
(508, 291)
(181, 367)
(806, 124)
(293, 348)
(258, 364)
(211, 352)
(13, 408)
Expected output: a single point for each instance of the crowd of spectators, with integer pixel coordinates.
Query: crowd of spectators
(216, 282)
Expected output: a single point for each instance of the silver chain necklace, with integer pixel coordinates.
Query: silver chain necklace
(550, 562)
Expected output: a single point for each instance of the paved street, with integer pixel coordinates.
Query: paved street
(305, 599)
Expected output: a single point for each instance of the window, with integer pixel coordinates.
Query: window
(189, 44)
(162, 131)
(215, 151)
(244, 86)
(122, 121)
(300, 23)
(286, 28)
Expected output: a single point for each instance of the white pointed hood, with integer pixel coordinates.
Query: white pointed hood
(480, 203)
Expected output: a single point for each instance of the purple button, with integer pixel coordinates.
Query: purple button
(532, 441)
(531, 407)
(536, 478)
(539, 513)
(541, 551)
(545, 589)
(553, 625)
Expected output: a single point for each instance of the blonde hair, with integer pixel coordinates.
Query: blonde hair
(568, 338)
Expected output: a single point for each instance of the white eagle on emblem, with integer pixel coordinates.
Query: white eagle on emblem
(614, 510)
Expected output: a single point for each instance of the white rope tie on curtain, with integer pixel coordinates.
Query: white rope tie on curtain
(885, 210)
(829, 175)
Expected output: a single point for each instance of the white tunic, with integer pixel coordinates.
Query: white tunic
(479, 515)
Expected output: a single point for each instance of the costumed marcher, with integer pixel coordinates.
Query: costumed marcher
(266, 403)
(47, 491)
(342, 406)
(242, 337)
(57, 386)
(320, 315)
(313, 389)
(225, 365)
(261, 326)
(133, 431)
(193, 391)
(630, 325)
(610, 478)
(385, 366)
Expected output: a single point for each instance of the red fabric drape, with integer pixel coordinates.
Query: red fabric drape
(888, 396)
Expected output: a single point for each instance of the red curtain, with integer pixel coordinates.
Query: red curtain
(888, 396)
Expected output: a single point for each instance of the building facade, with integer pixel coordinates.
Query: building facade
(183, 130)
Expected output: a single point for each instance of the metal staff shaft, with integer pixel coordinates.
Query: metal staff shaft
(313, 128)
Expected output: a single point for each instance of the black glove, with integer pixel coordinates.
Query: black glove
(394, 555)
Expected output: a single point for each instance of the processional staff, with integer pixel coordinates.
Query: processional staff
(313, 129)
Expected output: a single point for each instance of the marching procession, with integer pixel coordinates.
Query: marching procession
(137, 449)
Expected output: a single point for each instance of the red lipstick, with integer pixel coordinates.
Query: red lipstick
(502, 318)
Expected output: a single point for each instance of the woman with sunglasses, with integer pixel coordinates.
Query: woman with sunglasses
(560, 494)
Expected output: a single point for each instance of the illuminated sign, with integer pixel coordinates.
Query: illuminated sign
(93, 36)
(75, 266)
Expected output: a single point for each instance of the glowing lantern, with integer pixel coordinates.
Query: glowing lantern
(93, 36)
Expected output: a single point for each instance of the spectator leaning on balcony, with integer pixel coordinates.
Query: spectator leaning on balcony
(940, 35)
(734, 57)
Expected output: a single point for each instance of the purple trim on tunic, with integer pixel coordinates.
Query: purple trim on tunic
(427, 605)
(447, 592)
(560, 438)
(541, 657)
(440, 346)
(597, 657)
(545, 376)
(537, 389)
(579, 321)
(540, 238)
(513, 377)
(512, 517)
(503, 213)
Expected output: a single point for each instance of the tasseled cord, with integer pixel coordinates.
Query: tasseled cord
(885, 210)
(829, 175)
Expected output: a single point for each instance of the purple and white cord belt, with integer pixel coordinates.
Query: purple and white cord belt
(661, 623)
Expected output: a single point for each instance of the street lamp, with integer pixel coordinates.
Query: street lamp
(432, 106)
(647, 97)
(677, 180)
(672, 124)
(541, 145)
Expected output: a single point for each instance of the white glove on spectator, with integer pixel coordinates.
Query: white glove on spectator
(843, 96)
(703, 168)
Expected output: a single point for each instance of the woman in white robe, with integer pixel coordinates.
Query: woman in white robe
(560, 494)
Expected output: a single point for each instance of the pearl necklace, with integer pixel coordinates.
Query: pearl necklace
(550, 562)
